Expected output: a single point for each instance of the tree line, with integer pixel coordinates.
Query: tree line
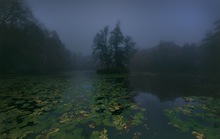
(26, 45)
(168, 57)
(116, 53)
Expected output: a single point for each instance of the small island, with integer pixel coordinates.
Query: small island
(113, 52)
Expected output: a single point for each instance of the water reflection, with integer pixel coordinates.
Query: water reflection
(156, 120)
(168, 88)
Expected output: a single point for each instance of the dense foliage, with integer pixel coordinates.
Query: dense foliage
(25, 44)
(113, 52)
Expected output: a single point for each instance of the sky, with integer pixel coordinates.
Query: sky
(146, 21)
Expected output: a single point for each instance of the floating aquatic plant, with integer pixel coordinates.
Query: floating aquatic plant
(137, 119)
(201, 118)
(53, 107)
(99, 134)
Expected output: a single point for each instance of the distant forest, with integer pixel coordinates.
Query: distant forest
(28, 46)
(168, 57)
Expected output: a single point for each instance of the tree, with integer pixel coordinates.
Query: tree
(101, 49)
(211, 51)
(129, 50)
(115, 51)
(116, 42)
(26, 45)
(15, 12)
(166, 57)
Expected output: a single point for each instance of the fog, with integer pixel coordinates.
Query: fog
(96, 68)
(110, 36)
(147, 22)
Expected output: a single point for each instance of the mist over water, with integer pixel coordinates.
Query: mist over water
(109, 69)
(148, 22)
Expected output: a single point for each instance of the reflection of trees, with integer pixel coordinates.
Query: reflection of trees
(170, 87)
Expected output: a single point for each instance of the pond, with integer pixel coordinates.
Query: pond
(81, 105)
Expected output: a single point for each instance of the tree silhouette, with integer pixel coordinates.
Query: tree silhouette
(211, 51)
(168, 57)
(101, 50)
(115, 51)
(116, 41)
(25, 44)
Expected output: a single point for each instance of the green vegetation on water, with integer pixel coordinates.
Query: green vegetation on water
(200, 115)
(85, 105)
(58, 107)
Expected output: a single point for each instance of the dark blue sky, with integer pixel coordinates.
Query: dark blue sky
(147, 21)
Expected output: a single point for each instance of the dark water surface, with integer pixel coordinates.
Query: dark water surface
(85, 105)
